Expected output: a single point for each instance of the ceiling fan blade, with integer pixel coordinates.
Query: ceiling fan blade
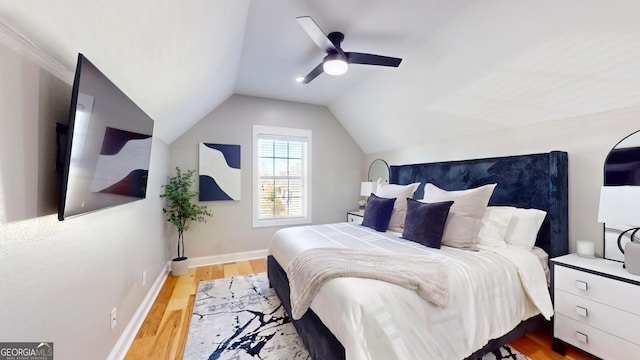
(315, 33)
(371, 59)
(313, 74)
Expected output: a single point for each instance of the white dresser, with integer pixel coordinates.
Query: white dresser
(597, 307)
(355, 217)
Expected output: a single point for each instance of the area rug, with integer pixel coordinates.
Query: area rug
(242, 318)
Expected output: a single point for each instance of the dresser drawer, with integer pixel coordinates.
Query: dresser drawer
(611, 320)
(604, 290)
(596, 342)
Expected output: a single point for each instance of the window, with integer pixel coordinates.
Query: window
(281, 176)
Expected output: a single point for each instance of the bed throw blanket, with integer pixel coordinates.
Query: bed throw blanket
(312, 268)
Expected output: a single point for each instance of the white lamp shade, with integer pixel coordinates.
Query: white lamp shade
(620, 205)
(366, 188)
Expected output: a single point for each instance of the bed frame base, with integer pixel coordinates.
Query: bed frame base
(323, 345)
(319, 340)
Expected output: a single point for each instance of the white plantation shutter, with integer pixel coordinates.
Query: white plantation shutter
(281, 176)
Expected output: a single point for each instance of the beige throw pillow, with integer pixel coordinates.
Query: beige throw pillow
(465, 217)
(400, 193)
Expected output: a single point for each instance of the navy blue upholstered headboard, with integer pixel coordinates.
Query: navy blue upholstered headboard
(528, 181)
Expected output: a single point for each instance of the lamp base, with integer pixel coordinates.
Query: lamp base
(632, 257)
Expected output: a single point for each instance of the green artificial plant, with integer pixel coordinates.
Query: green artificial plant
(180, 210)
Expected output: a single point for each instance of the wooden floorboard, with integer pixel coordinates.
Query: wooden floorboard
(164, 332)
(152, 323)
(166, 341)
(186, 321)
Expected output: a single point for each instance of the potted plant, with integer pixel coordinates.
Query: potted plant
(180, 210)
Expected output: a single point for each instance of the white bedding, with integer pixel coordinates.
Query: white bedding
(378, 320)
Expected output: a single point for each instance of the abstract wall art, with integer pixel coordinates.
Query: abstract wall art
(219, 166)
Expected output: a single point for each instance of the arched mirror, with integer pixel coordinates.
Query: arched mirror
(622, 166)
(379, 169)
(621, 190)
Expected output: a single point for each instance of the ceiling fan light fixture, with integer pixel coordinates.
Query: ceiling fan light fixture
(334, 64)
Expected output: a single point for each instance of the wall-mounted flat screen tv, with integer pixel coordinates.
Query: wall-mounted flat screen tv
(108, 146)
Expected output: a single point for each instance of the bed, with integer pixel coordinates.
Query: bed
(525, 181)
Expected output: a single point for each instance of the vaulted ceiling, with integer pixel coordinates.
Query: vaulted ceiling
(468, 67)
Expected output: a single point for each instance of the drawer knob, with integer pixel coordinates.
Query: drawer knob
(581, 285)
(581, 311)
(583, 338)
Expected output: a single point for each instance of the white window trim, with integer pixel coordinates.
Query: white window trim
(289, 132)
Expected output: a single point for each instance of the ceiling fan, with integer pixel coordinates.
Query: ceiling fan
(337, 61)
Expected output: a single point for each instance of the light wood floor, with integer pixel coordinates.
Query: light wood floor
(164, 332)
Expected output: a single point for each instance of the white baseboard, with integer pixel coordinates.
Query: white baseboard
(221, 259)
(119, 351)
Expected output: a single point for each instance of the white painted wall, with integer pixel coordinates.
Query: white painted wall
(337, 170)
(60, 280)
(586, 138)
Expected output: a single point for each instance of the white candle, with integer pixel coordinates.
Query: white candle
(585, 248)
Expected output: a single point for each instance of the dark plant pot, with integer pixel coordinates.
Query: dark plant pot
(179, 266)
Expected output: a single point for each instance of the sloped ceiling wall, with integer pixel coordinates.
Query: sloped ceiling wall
(469, 67)
(177, 60)
(500, 65)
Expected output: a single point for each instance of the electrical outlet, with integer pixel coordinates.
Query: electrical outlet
(144, 278)
(114, 318)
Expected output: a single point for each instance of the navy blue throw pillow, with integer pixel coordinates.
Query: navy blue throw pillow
(377, 213)
(424, 222)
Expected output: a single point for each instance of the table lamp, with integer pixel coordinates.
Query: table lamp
(366, 189)
(620, 205)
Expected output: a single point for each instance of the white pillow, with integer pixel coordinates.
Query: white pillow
(400, 193)
(524, 226)
(465, 217)
(495, 223)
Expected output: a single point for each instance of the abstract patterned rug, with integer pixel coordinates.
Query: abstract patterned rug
(241, 318)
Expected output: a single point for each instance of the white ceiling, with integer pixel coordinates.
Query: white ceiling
(468, 66)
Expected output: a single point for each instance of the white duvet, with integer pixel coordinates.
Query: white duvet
(378, 320)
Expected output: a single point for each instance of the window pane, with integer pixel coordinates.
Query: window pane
(295, 150)
(280, 206)
(295, 207)
(295, 167)
(266, 188)
(295, 188)
(266, 207)
(281, 149)
(281, 168)
(265, 148)
(266, 167)
(282, 187)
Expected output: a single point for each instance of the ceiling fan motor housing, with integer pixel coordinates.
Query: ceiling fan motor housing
(336, 38)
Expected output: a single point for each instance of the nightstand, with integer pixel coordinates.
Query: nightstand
(597, 307)
(355, 217)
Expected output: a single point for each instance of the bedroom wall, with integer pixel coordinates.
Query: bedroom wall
(587, 139)
(337, 170)
(60, 280)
